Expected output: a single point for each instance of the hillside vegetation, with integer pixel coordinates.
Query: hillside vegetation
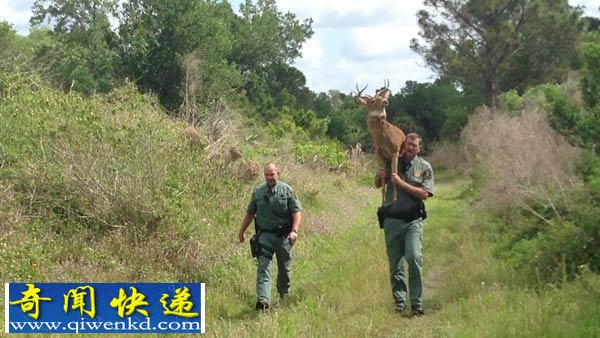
(108, 189)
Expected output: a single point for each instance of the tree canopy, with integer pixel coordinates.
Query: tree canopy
(194, 55)
(487, 47)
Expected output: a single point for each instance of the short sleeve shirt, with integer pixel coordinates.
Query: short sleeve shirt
(418, 174)
(273, 207)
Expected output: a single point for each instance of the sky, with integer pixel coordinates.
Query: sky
(355, 42)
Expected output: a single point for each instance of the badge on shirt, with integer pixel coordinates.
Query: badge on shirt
(417, 173)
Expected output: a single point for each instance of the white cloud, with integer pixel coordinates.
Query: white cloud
(346, 74)
(591, 7)
(362, 43)
(312, 53)
(17, 14)
(380, 41)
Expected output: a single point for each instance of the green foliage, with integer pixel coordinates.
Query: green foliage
(18, 52)
(347, 122)
(286, 127)
(157, 35)
(306, 129)
(267, 42)
(424, 107)
(557, 247)
(456, 119)
(308, 120)
(83, 53)
(7, 41)
(568, 118)
(330, 154)
(556, 242)
(511, 101)
(300, 124)
(590, 75)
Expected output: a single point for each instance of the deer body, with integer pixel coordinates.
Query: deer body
(387, 138)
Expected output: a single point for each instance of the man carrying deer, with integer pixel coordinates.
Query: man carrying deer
(409, 181)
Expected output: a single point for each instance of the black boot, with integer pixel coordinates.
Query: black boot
(262, 306)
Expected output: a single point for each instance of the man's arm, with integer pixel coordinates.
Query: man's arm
(417, 192)
(245, 223)
(296, 221)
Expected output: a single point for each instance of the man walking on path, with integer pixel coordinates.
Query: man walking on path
(276, 211)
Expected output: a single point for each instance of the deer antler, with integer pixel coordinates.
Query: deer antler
(359, 91)
(385, 88)
(359, 99)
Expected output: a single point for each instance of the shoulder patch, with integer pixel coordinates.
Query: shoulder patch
(427, 174)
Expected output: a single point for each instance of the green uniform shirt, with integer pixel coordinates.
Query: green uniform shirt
(419, 174)
(273, 207)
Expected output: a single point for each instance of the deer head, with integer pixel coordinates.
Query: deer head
(375, 104)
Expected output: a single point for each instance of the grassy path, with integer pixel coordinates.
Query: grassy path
(341, 286)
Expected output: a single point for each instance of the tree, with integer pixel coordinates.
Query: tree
(347, 121)
(488, 47)
(267, 42)
(590, 79)
(7, 42)
(85, 52)
(159, 36)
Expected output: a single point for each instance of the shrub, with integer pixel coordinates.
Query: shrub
(329, 154)
(510, 101)
(564, 114)
(523, 159)
(554, 242)
(533, 179)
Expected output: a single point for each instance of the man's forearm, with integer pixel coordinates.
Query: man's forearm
(246, 222)
(296, 221)
(412, 190)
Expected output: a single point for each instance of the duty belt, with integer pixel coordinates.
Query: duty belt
(281, 232)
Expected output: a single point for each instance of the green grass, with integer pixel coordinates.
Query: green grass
(107, 190)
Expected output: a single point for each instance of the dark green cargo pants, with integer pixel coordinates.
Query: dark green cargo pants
(404, 242)
(280, 246)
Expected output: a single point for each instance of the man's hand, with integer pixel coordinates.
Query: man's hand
(396, 179)
(242, 236)
(293, 236)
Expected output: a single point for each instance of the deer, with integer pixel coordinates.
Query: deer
(388, 139)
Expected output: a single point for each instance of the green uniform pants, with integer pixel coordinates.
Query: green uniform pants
(280, 246)
(404, 242)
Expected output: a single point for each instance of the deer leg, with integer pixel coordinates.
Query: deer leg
(395, 171)
(381, 165)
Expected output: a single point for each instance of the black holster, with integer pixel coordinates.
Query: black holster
(255, 245)
(382, 213)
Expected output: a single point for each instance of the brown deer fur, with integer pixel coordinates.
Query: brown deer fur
(387, 138)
